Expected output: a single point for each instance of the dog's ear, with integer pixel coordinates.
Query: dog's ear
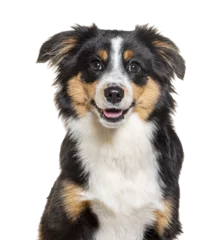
(172, 57)
(57, 47)
(165, 51)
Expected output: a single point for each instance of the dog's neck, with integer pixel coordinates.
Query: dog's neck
(90, 127)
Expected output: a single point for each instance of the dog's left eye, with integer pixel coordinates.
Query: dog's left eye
(134, 67)
(96, 65)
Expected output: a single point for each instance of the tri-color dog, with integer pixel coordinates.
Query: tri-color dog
(121, 158)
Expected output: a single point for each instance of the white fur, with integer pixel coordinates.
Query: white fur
(123, 182)
(116, 76)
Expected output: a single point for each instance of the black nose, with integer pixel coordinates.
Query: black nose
(114, 94)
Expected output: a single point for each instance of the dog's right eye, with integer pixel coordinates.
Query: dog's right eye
(96, 65)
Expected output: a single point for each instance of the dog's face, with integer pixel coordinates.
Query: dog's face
(112, 74)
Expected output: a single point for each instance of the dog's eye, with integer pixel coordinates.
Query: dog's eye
(96, 65)
(134, 67)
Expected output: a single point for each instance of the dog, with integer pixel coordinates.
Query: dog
(121, 157)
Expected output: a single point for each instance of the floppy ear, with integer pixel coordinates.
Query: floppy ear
(172, 56)
(168, 59)
(56, 48)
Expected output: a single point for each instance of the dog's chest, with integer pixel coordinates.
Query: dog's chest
(123, 179)
(124, 199)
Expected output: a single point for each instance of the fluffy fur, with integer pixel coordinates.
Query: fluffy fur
(121, 158)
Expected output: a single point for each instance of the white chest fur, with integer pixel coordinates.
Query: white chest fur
(123, 181)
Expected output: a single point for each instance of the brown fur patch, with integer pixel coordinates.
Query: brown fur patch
(146, 97)
(103, 54)
(128, 54)
(40, 232)
(62, 49)
(162, 44)
(164, 218)
(163, 49)
(67, 46)
(81, 94)
(72, 200)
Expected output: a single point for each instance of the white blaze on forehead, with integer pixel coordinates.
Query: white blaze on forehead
(115, 75)
(116, 44)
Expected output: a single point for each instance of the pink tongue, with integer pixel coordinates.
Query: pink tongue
(110, 114)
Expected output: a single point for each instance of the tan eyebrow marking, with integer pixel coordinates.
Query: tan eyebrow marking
(103, 54)
(128, 54)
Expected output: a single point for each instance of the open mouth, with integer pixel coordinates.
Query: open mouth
(112, 114)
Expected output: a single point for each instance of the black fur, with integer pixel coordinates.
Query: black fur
(70, 164)
(161, 65)
(55, 225)
(170, 162)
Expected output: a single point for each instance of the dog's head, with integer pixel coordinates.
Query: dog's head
(113, 74)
